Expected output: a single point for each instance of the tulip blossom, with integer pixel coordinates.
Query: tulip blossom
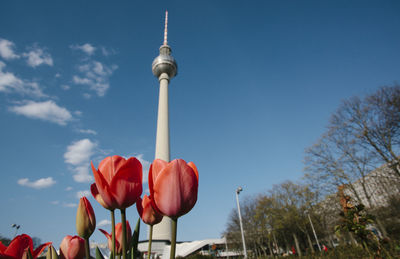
(19, 247)
(118, 237)
(118, 182)
(85, 218)
(173, 186)
(146, 211)
(72, 247)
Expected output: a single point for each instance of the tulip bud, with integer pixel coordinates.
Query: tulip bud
(51, 253)
(85, 219)
(72, 247)
(146, 211)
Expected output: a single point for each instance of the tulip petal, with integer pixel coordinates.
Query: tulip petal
(97, 196)
(76, 248)
(2, 247)
(104, 188)
(139, 207)
(64, 246)
(127, 183)
(158, 165)
(155, 168)
(40, 249)
(110, 166)
(175, 189)
(18, 245)
(147, 213)
(109, 239)
(193, 166)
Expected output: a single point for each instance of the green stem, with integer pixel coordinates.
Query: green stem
(124, 246)
(150, 239)
(173, 238)
(87, 248)
(113, 233)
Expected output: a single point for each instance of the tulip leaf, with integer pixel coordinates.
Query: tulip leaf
(29, 254)
(51, 253)
(135, 240)
(98, 254)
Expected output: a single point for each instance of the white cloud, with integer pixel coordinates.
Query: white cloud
(48, 111)
(87, 48)
(87, 96)
(81, 81)
(104, 222)
(70, 205)
(10, 83)
(145, 166)
(55, 202)
(78, 155)
(65, 87)
(88, 131)
(96, 75)
(78, 113)
(69, 188)
(37, 57)
(38, 184)
(6, 49)
(80, 194)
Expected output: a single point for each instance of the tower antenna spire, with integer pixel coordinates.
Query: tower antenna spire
(166, 28)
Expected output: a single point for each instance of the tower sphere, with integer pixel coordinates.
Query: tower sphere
(164, 63)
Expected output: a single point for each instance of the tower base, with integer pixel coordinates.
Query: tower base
(157, 248)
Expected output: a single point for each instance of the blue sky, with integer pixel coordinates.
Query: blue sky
(256, 85)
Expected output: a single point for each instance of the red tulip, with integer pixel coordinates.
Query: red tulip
(173, 186)
(72, 247)
(118, 182)
(118, 237)
(85, 218)
(19, 247)
(146, 211)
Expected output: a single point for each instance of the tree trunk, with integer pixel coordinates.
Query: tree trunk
(297, 244)
(381, 227)
(270, 249)
(310, 243)
(353, 240)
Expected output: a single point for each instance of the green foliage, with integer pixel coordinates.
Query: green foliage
(357, 220)
(6, 241)
(135, 240)
(99, 254)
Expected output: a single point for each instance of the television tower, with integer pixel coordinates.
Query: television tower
(164, 68)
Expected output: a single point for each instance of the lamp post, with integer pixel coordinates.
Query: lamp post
(16, 228)
(315, 234)
(238, 190)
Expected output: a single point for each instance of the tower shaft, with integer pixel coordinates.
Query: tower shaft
(164, 67)
(162, 231)
(162, 137)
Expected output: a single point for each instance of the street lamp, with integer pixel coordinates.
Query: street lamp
(16, 228)
(315, 234)
(238, 190)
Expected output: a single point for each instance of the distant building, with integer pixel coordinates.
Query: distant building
(375, 189)
(213, 247)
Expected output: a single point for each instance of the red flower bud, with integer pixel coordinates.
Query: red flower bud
(85, 218)
(146, 211)
(118, 237)
(72, 247)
